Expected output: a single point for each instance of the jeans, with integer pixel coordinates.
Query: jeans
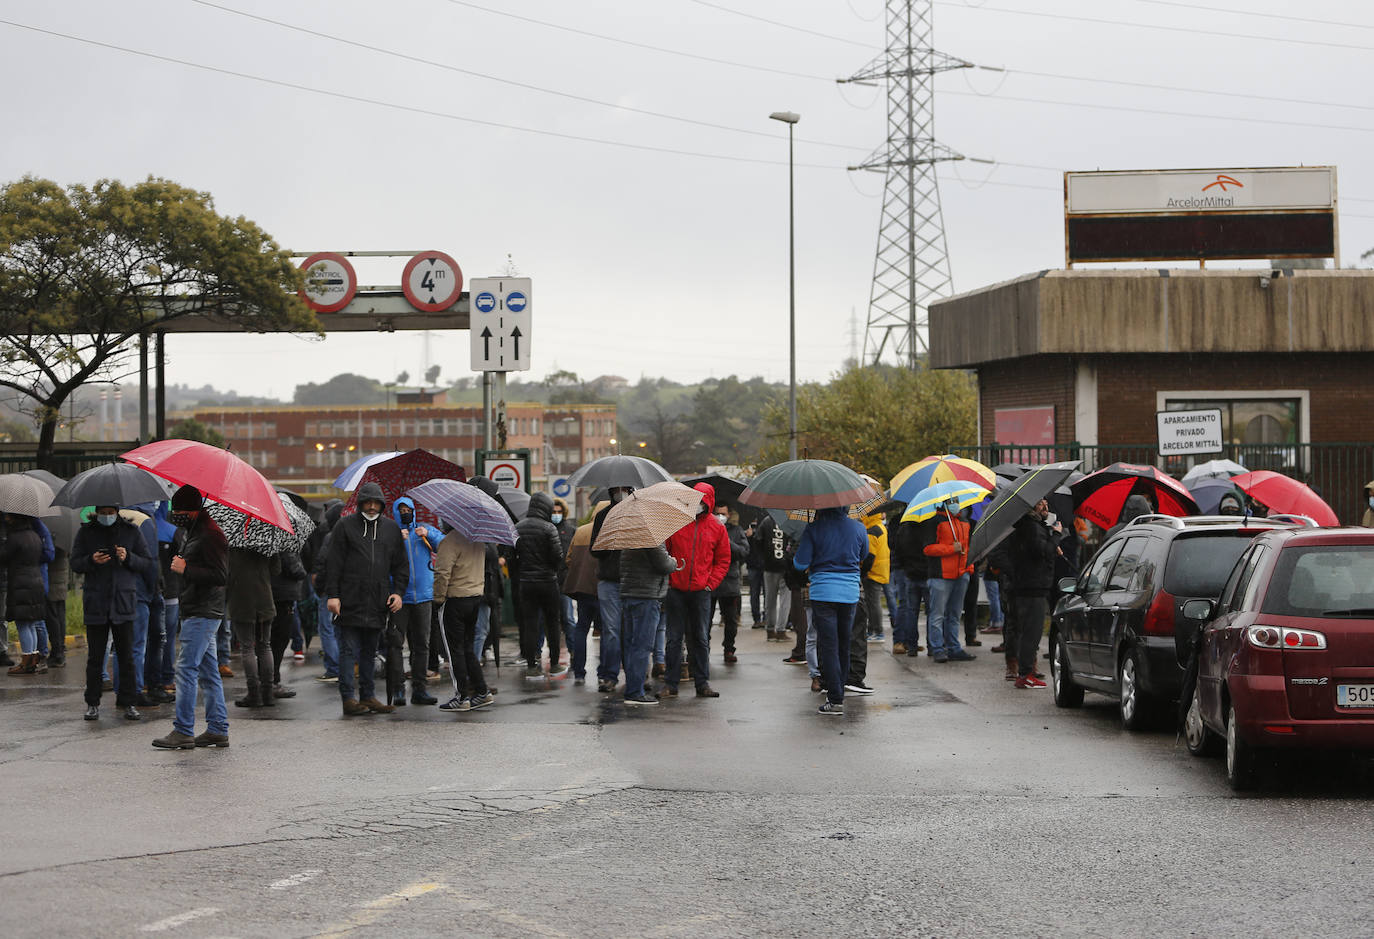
(357, 647)
(608, 599)
(813, 667)
(329, 641)
(661, 636)
(917, 595)
(28, 635)
(198, 664)
(171, 620)
(460, 625)
(569, 622)
(893, 591)
(639, 620)
(994, 602)
(687, 611)
(577, 642)
(756, 594)
(832, 622)
(97, 635)
(480, 630)
(139, 638)
(158, 638)
(729, 618)
(942, 626)
(541, 605)
(223, 645)
(777, 601)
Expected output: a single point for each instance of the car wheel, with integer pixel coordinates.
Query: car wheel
(1240, 756)
(1200, 739)
(1067, 694)
(1136, 706)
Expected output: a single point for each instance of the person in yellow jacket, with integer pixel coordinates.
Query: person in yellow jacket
(868, 614)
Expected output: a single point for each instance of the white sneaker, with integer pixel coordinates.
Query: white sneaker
(858, 689)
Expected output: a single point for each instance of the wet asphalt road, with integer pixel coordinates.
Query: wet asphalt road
(949, 803)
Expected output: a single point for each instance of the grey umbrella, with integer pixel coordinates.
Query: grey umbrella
(24, 495)
(64, 524)
(620, 470)
(111, 484)
(517, 500)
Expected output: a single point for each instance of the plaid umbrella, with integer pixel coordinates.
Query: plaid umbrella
(1100, 496)
(352, 475)
(938, 469)
(927, 503)
(472, 513)
(244, 531)
(402, 473)
(648, 516)
(807, 484)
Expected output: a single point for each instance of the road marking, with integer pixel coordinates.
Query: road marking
(372, 911)
(295, 880)
(180, 919)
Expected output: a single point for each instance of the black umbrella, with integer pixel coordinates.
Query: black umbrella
(1013, 502)
(620, 470)
(728, 490)
(112, 484)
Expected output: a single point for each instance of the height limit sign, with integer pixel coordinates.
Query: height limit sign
(500, 312)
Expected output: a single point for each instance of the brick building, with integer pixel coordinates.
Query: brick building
(303, 447)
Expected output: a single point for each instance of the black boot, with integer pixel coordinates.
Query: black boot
(253, 699)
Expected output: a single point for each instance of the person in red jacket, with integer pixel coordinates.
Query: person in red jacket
(701, 552)
(948, 578)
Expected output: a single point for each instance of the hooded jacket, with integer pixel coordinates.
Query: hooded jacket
(947, 561)
(205, 580)
(110, 590)
(703, 547)
(1032, 550)
(1135, 507)
(419, 553)
(772, 545)
(538, 545)
(739, 553)
(877, 546)
(23, 555)
(832, 550)
(366, 564)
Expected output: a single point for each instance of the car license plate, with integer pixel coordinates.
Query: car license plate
(1355, 696)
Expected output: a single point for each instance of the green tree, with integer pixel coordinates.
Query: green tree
(192, 429)
(345, 388)
(16, 431)
(877, 419)
(85, 271)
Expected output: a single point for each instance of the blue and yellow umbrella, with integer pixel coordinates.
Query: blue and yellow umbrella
(927, 503)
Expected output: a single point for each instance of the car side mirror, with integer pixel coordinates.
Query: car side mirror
(1198, 609)
(1068, 585)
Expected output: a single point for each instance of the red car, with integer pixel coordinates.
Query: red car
(1286, 654)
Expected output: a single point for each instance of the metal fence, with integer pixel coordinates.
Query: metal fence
(66, 462)
(1336, 471)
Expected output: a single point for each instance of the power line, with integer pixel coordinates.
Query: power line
(1159, 26)
(638, 45)
(427, 112)
(504, 81)
(794, 28)
(1252, 14)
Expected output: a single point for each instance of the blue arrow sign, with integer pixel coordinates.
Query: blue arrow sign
(515, 301)
(485, 302)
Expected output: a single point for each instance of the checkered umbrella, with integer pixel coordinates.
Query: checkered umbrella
(647, 517)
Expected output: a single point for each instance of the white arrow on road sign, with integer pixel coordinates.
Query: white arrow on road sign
(500, 325)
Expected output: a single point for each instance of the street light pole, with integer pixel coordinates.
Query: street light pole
(790, 118)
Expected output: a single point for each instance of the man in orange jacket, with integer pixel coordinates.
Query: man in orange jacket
(701, 552)
(949, 572)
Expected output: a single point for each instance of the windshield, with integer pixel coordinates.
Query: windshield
(1323, 580)
(1199, 565)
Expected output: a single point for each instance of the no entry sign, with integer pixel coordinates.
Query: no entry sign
(330, 282)
(432, 281)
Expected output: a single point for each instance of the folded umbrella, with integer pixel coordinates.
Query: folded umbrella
(24, 495)
(218, 474)
(62, 526)
(619, 470)
(937, 469)
(807, 484)
(472, 513)
(244, 531)
(926, 504)
(1012, 502)
(1100, 496)
(1285, 495)
(352, 475)
(111, 484)
(647, 517)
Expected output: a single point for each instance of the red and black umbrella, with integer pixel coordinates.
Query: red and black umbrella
(405, 472)
(1099, 496)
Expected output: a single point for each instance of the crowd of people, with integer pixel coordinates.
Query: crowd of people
(165, 600)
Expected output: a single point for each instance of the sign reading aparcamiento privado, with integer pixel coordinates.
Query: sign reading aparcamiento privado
(1186, 432)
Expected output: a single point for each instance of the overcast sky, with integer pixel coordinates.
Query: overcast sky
(657, 242)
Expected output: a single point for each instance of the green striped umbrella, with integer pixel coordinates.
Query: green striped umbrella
(807, 484)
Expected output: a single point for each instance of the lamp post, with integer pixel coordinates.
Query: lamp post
(790, 118)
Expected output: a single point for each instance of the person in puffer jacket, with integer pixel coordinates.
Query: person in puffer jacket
(539, 550)
(412, 624)
(701, 553)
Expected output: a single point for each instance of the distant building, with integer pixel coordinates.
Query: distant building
(305, 447)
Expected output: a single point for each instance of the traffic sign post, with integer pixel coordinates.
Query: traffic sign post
(509, 469)
(500, 326)
(432, 281)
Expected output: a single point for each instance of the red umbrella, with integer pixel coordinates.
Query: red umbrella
(1099, 496)
(1285, 495)
(405, 472)
(218, 474)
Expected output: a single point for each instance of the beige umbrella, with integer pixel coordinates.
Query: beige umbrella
(646, 517)
(25, 495)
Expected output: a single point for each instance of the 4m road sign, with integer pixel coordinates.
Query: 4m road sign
(500, 330)
(432, 281)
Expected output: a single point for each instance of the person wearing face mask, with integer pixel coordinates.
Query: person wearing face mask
(701, 551)
(412, 624)
(367, 574)
(1368, 519)
(201, 566)
(608, 598)
(562, 520)
(541, 567)
(112, 555)
(728, 595)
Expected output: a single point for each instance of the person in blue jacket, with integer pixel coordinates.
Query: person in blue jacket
(412, 624)
(832, 551)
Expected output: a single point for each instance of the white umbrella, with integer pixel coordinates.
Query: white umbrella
(24, 495)
(1214, 469)
(352, 475)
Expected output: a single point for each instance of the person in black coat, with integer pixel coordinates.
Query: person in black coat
(317, 546)
(23, 554)
(113, 556)
(539, 551)
(287, 583)
(1032, 551)
(365, 577)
